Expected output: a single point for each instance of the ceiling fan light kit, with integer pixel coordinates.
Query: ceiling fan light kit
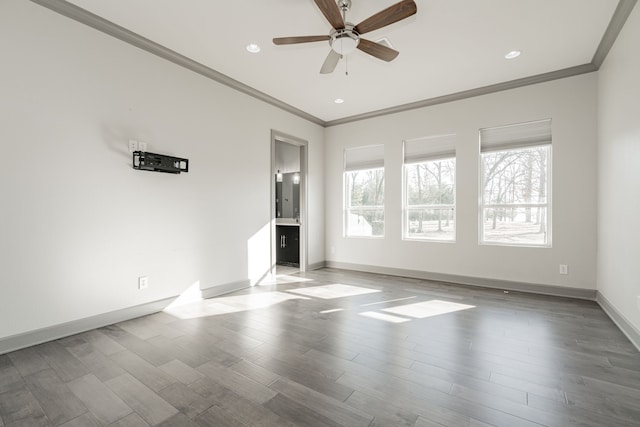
(344, 37)
(344, 41)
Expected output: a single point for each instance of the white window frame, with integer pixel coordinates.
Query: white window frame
(425, 150)
(504, 144)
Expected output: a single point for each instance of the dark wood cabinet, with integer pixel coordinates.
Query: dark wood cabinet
(288, 245)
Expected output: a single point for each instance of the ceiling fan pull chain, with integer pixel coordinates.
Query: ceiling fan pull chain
(345, 6)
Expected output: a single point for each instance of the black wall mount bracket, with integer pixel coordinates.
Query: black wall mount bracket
(159, 162)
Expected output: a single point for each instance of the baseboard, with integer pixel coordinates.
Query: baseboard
(50, 333)
(618, 318)
(559, 291)
(316, 266)
(215, 291)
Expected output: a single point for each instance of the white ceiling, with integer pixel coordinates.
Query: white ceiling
(449, 46)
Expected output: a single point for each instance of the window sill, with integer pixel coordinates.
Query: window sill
(418, 239)
(516, 245)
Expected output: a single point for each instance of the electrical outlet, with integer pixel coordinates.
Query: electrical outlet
(143, 282)
(133, 145)
(142, 146)
(564, 269)
(638, 302)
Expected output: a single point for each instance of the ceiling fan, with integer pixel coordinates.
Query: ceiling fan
(345, 37)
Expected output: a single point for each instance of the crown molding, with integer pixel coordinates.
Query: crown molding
(619, 18)
(94, 21)
(498, 87)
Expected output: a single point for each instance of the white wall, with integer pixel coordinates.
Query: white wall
(571, 103)
(77, 224)
(619, 173)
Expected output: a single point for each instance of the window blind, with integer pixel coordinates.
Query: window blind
(360, 158)
(521, 135)
(429, 148)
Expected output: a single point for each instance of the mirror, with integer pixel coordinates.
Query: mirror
(288, 195)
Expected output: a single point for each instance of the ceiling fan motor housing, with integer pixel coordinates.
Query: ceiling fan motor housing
(344, 41)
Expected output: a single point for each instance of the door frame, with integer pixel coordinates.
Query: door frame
(304, 226)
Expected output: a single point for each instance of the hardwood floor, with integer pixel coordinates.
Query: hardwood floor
(286, 270)
(336, 348)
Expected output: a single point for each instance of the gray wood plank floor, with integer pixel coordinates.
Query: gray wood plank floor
(336, 348)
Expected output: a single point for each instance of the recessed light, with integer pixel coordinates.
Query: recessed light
(253, 48)
(339, 101)
(513, 54)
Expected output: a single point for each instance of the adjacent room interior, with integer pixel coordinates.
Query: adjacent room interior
(213, 216)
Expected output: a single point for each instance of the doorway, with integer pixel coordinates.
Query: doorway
(288, 204)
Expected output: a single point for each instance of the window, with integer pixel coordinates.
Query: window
(515, 166)
(364, 191)
(430, 188)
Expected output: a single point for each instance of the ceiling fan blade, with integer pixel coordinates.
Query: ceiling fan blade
(395, 13)
(301, 39)
(331, 11)
(331, 62)
(378, 50)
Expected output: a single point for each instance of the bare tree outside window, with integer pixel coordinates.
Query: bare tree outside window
(430, 200)
(514, 196)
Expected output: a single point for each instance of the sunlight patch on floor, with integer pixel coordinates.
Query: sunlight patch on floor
(234, 304)
(420, 310)
(282, 270)
(333, 291)
(192, 295)
(334, 310)
(386, 317)
(387, 301)
(283, 280)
